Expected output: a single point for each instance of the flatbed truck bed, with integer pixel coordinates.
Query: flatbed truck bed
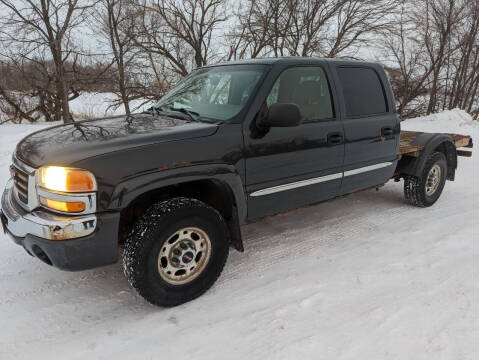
(408, 147)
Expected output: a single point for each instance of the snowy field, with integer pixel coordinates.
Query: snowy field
(361, 277)
(90, 105)
(87, 106)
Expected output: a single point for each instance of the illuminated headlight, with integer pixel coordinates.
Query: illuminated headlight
(64, 179)
(67, 190)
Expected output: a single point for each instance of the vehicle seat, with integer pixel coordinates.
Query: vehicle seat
(314, 105)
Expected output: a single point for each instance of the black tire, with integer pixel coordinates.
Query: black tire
(149, 234)
(415, 187)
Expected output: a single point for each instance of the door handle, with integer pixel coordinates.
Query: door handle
(335, 138)
(387, 131)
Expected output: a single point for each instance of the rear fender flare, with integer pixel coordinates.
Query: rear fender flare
(430, 142)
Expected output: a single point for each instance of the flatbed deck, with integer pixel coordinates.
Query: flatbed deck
(407, 147)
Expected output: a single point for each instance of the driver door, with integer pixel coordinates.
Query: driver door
(296, 166)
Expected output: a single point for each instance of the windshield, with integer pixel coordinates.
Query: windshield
(217, 93)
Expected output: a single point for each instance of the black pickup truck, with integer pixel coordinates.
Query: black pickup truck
(230, 143)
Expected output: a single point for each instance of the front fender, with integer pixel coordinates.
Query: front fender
(128, 190)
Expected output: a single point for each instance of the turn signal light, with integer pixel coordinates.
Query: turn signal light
(73, 207)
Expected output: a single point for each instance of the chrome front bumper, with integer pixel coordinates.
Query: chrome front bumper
(40, 223)
(89, 241)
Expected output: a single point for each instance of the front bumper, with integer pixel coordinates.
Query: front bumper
(67, 242)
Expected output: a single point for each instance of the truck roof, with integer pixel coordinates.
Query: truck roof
(292, 60)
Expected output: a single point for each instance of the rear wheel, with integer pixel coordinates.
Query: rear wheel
(176, 251)
(424, 191)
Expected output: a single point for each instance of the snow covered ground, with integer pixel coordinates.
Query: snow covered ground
(91, 105)
(88, 105)
(361, 277)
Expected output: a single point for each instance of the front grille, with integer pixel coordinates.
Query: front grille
(20, 180)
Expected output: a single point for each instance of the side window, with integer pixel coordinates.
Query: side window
(362, 91)
(308, 88)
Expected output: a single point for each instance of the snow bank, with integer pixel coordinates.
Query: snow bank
(361, 277)
(446, 121)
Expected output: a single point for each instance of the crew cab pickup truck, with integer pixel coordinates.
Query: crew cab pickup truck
(229, 144)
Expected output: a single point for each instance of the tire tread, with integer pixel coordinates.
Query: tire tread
(414, 186)
(139, 236)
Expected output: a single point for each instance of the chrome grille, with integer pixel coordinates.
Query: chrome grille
(20, 180)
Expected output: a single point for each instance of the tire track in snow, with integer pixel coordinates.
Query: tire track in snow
(268, 246)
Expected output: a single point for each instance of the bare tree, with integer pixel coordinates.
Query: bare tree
(179, 32)
(437, 20)
(462, 78)
(330, 28)
(407, 64)
(116, 18)
(31, 78)
(45, 30)
(194, 22)
(251, 37)
(431, 52)
(357, 23)
(429, 47)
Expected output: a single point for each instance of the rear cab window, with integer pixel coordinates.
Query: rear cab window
(363, 91)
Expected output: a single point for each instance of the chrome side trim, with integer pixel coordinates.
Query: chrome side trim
(42, 223)
(367, 168)
(297, 184)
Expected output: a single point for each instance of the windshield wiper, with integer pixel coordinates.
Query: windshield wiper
(193, 115)
(154, 111)
(150, 110)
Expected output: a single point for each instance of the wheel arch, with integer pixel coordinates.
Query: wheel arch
(431, 143)
(218, 186)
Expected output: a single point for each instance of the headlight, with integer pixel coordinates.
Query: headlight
(64, 179)
(66, 190)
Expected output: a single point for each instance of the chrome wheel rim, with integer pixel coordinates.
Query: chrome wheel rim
(184, 256)
(433, 180)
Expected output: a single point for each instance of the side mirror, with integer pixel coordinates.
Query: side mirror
(281, 115)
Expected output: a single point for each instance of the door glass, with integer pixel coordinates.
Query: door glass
(363, 91)
(308, 88)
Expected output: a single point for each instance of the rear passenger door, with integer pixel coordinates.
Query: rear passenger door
(371, 126)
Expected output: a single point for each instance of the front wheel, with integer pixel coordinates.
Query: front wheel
(176, 251)
(424, 191)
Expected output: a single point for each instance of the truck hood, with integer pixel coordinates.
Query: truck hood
(67, 144)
